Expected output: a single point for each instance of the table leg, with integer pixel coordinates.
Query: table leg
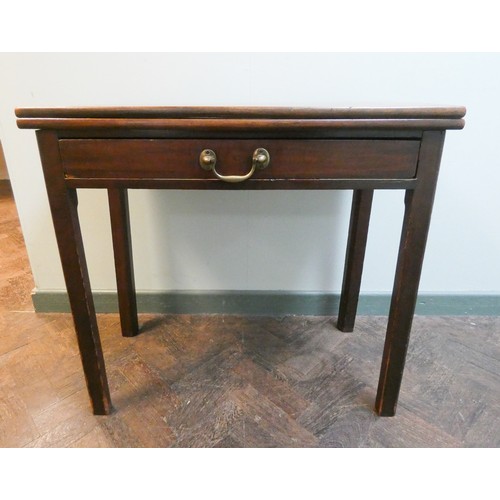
(418, 208)
(355, 254)
(63, 204)
(122, 246)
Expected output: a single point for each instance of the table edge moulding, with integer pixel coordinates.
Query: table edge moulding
(241, 148)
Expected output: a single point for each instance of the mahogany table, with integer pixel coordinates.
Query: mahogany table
(241, 148)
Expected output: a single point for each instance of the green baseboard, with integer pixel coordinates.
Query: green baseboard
(272, 303)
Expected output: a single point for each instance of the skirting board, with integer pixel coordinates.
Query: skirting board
(272, 303)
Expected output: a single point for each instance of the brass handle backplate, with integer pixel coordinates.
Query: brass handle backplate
(260, 160)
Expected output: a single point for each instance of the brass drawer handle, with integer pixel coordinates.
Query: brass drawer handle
(260, 160)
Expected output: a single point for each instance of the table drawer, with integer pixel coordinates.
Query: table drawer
(289, 159)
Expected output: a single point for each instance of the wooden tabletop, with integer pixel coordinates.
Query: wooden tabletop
(435, 118)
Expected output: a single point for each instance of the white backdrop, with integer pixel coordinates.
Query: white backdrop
(266, 240)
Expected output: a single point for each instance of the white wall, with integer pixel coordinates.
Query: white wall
(266, 240)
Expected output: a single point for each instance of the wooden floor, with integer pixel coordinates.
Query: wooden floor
(226, 381)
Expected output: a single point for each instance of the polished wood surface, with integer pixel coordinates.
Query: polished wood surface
(63, 205)
(417, 217)
(355, 255)
(269, 112)
(209, 125)
(124, 264)
(242, 118)
(124, 148)
(179, 158)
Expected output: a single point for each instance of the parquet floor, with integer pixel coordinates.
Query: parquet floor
(228, 381)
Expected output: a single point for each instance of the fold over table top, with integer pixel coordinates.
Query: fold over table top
(248, 118)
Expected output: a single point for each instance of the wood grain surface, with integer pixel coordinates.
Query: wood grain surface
(179, 158)
(244, 118)
(240, 112)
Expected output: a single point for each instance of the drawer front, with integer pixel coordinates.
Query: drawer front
(289, 159)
